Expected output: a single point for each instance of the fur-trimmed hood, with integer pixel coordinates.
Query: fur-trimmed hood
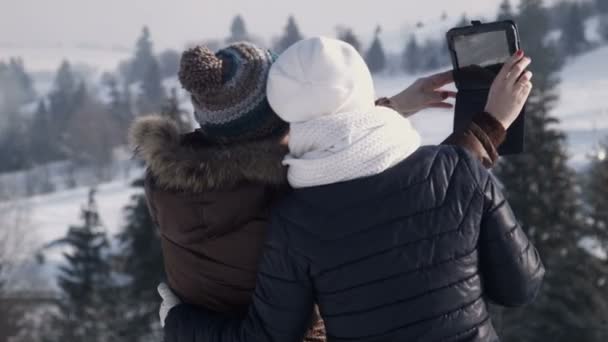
(188, 162)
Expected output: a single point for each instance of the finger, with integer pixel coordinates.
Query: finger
(525, 87)
(448, 94)
(526, 76)
(441, 105)
(510, 63)
(519, 68)
(439, 96)
(162, 289)
(439, 80)
(524, 90)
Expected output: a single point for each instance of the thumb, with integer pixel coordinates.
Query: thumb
(164, 291)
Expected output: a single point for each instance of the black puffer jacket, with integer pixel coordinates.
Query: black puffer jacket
(412, 254)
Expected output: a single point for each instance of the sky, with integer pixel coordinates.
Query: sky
(113, 23)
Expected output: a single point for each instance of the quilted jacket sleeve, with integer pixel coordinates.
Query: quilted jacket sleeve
(281, 310)
(483, 135)
(511, 268)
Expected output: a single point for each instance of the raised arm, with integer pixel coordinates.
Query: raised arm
(510, 265)
(281, 311)
(482, 136)
(487, 130)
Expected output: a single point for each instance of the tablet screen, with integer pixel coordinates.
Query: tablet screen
(482, 49)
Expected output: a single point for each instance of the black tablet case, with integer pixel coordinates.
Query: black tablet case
(473, 85)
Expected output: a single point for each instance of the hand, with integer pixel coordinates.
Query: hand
(510, 90)
(424, 93)
(170, 301)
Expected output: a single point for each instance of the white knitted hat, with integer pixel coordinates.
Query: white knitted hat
(323, 88)
(327, 70)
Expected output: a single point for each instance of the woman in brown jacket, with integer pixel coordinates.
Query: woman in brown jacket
(210, 191)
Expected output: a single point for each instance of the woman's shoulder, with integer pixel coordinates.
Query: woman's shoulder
(186, 162)
(444, 154)
(457, 161)
(440, 163)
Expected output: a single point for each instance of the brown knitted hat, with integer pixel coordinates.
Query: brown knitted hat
(228, 91)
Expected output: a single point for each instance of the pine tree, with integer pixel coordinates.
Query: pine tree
(144, 57)
(119, 106)
(63, 103)
(347, 35)
(174, 112)
(168, 61)
(16, 86)
(43, 150)
(238, 31)
(142, 263)
(412, 56)
(65, 79)
(464, 21)
(602, 6)
(92, 133)
(152, 91)
(505, 11)
(10, 313)
(596, 191)
(15, 145)
(573, 40)
(375, 56)
(24, 81)
(119, 109)
(540, 187)
(291, 36)
(603, 26)
(88, 310)
(430, 53)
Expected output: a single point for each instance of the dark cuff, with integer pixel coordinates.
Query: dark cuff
(486, 143)
(492, 128)
(177, 317)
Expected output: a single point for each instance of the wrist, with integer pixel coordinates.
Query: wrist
(504, 123)
(403, 111)
(493, 128)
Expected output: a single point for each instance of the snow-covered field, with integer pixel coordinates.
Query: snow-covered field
(582, 109)
(46, 218)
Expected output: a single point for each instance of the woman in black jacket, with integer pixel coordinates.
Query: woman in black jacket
(394, 242)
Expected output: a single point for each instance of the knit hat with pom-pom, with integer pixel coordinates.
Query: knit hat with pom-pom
(228, 90)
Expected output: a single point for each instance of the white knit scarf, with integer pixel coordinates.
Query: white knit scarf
(346, 146)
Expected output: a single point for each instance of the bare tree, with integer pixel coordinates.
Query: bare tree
(14, 243)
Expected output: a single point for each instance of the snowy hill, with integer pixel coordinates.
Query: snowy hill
(582, 109)
(48, 58)
(46, 218)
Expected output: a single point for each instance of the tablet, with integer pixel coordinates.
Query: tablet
(478, 53)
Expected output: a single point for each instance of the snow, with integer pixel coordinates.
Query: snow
(60, 175)
(50, 217)
(582, 110)
(52, 214)
(592, 29)
(47, 58)
(594, 248)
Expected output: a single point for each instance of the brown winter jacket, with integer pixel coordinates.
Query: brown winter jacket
(212, 204)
